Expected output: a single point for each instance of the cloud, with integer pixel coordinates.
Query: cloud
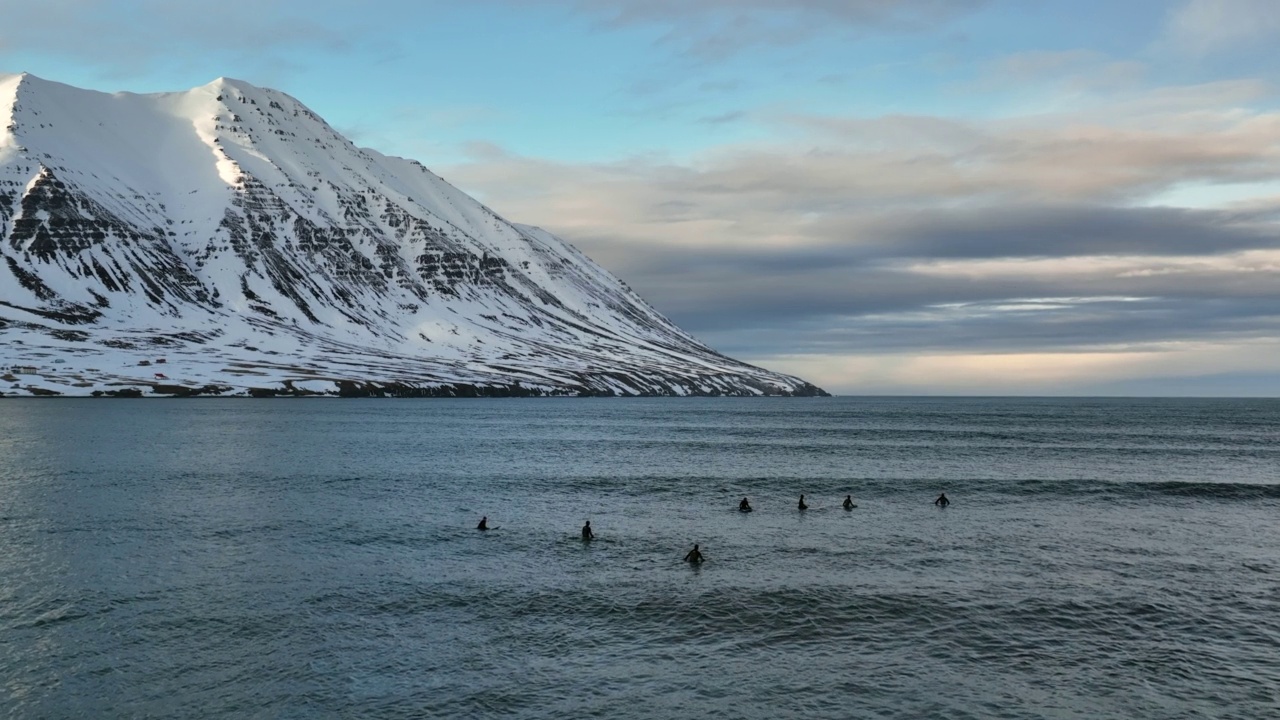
(1087, 301)
(1073, 71)
(908, 13)
(1056, 231)
(133, 37)
(1219, 369)
(856, 180)
(1204, 27)
(723, 118)
(715, 29)
(864, 237)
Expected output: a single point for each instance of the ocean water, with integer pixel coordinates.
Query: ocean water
(318, 558)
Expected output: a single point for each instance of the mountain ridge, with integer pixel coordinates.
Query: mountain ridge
(233, 232)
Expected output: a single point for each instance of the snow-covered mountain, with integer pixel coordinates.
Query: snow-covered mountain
(227, 240)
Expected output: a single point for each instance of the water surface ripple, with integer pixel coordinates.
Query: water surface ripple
(302, 559)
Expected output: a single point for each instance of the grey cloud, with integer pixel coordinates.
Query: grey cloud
(133, 36)
(976, 234)
(1074, 158)
(881, 235)
(852, 289)
(1071, 328)
(829, 175)
(759, 299)
(712, 29)
(723, 118)
(1056, 231)
(1204, 27)
(1076, 71)
(847, 300)
(908, 13)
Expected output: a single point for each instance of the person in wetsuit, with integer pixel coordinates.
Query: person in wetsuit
(586, 532)
(744, 506)
(484, 523)
(942, 500)
(802, 506)
(848, 502)
(694, 555)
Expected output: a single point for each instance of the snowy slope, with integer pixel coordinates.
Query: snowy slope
(233, 233)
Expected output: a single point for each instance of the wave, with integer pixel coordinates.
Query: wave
(1082, 489)
(1128, 490)
(649, 485)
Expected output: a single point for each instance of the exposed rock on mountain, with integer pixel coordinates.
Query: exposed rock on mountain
(226, 240)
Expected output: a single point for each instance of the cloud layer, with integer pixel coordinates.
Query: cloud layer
(714, 29)
(851, 237)
(131, 38)
(1214, 26)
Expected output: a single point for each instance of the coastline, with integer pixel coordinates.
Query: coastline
(347, 389)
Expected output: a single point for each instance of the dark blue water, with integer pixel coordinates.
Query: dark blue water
(301, 559)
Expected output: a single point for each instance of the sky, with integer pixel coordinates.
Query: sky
(961, 197)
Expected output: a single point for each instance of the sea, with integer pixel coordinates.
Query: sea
(319, 558)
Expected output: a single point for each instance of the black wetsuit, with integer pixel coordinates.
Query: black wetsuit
(942, 500)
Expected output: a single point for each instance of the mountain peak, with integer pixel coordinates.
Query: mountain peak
(224, 82)
(232, 232)
(9, 85)
(18, 77)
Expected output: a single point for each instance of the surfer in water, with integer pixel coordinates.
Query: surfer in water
(744, 506)
(848, 502)
(484, 523)
(586, 532)
(694, 556)
(942, 501)
(802, 506)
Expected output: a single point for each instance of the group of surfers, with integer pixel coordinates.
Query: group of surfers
(695, 556)
(848, 504)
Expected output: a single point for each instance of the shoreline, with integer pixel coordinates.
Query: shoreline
(371, 389)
